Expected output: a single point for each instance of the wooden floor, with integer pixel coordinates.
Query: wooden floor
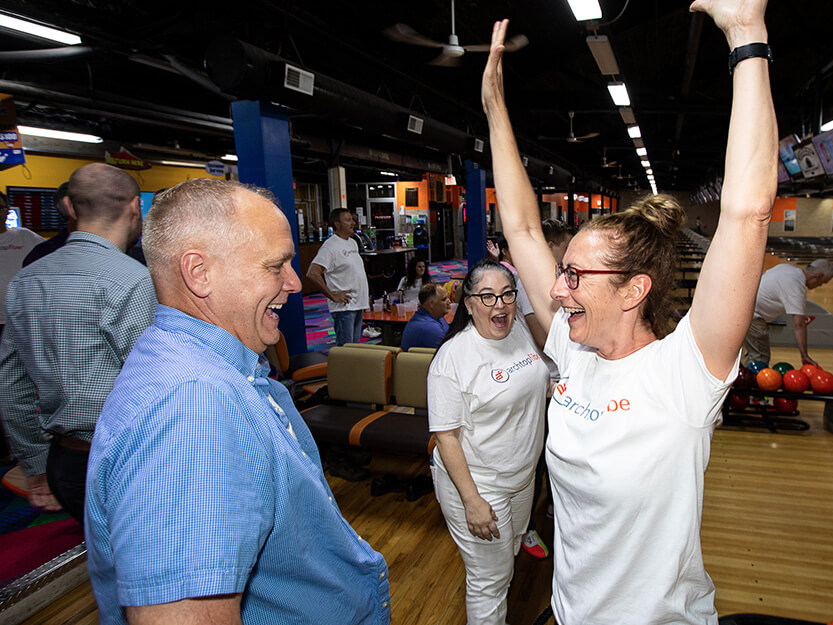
(767, 531)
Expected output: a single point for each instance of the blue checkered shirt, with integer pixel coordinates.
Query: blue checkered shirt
(72, 318)
(204, 480)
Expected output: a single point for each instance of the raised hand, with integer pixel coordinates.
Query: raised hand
(742, 21)
(491, 89)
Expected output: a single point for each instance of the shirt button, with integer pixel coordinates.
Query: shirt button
(251, 378)
(382, 575)
(331, 499)
(305, 454)
(360, 538)
(385, 604)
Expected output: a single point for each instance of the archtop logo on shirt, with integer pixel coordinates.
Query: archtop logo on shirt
(502, 375)
(587, 412)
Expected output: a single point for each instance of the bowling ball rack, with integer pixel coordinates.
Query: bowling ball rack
(762, 416)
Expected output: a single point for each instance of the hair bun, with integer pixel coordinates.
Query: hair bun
(663, 211)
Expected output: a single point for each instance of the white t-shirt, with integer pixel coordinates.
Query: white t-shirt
(411, 293)
(495, 392)
(783, 289)
(15, 244)
(343, 271)
(628, 447)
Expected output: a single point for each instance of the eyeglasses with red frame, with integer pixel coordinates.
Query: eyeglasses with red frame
(572, 275)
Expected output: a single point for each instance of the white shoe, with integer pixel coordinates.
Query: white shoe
(371, 333)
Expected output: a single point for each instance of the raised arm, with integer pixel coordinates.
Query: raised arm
(725, 296)
(518, 204)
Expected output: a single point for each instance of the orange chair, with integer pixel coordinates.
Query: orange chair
(293, 371)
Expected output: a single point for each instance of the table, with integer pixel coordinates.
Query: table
(392, 325)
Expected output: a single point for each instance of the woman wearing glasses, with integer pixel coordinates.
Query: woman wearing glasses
(631, 420)
(486, 399)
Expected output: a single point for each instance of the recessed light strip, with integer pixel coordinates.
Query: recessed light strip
(38, 30)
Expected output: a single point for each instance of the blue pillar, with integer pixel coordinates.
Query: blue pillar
(261, 138)
(475, 211)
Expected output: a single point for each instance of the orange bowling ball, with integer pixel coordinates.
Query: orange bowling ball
(822, 382)
(768, 379)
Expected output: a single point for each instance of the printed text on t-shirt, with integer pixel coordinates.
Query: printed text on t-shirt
(586, 411)
(502, 375)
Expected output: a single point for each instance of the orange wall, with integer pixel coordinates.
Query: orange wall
(422, 185)
(783, 204)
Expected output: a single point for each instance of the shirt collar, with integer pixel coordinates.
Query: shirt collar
(224, 344)
(89, 237)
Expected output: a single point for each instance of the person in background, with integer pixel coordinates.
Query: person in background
(206, 498)
(783, 290)
(486, 400)
(73, 317)
(632, 417)
(338, 272)
(416, 277)
(60, 239)
(428, 327)
(15, 245)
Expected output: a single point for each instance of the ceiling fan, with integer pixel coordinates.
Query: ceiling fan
(571, 138)
(605, 162)
(451, 51)
(619, 176)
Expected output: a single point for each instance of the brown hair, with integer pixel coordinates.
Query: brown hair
(643, 240)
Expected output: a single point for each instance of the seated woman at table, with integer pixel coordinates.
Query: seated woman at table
(417, 276)
(486, 399)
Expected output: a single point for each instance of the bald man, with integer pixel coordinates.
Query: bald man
(206, 498)
(72, 319)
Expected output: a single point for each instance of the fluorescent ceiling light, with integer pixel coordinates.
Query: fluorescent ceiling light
(183, 164)
(585, 9)
(387, 173)
(619, 93)
(229, 157)
(603, 54)
(38, 30)
(642, 151)
(646, 163)
(58, 134)
(634, 132)
(827, 126)
(649, 171)
(627, 115)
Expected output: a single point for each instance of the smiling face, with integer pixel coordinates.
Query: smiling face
(420, 269)
(495, 322)
(253, 280)
(595, 306)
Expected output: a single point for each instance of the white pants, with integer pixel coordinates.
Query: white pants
(489, 565)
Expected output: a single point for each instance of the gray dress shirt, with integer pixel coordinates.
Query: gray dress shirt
(72, 319)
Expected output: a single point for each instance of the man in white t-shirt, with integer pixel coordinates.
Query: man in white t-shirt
(15, 244)
(783, 290)
(338, 271)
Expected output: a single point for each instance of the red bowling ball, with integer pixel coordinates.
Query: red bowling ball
(737, 401)
(785, 406)
(769, 379)
(809, 370)
(822, 382)
(746, 379)
(795, 381)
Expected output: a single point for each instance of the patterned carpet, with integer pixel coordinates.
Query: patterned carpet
(319, 324)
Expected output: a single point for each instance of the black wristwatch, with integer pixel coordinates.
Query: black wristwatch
(748, 51)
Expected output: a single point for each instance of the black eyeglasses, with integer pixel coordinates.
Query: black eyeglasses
(490, 299)
(572, 275)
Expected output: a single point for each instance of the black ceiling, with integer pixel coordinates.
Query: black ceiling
(132, 89)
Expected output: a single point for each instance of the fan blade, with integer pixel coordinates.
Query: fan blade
(589, 135)
(446, 60)
(405, 34)
(515, 43)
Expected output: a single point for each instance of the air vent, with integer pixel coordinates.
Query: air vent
(478, 145)
(415, 125)
(299, 80)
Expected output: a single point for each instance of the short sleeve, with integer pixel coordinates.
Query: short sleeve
(794, 297)
(200, 533)
(558, 344)
(447, 409)
(324, 257)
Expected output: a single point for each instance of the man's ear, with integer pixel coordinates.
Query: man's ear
(70, 208)
(636, 290)
(136, 207)
(194, 266)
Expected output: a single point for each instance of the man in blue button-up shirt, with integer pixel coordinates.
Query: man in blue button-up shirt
(428, 327)
(206, 497)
